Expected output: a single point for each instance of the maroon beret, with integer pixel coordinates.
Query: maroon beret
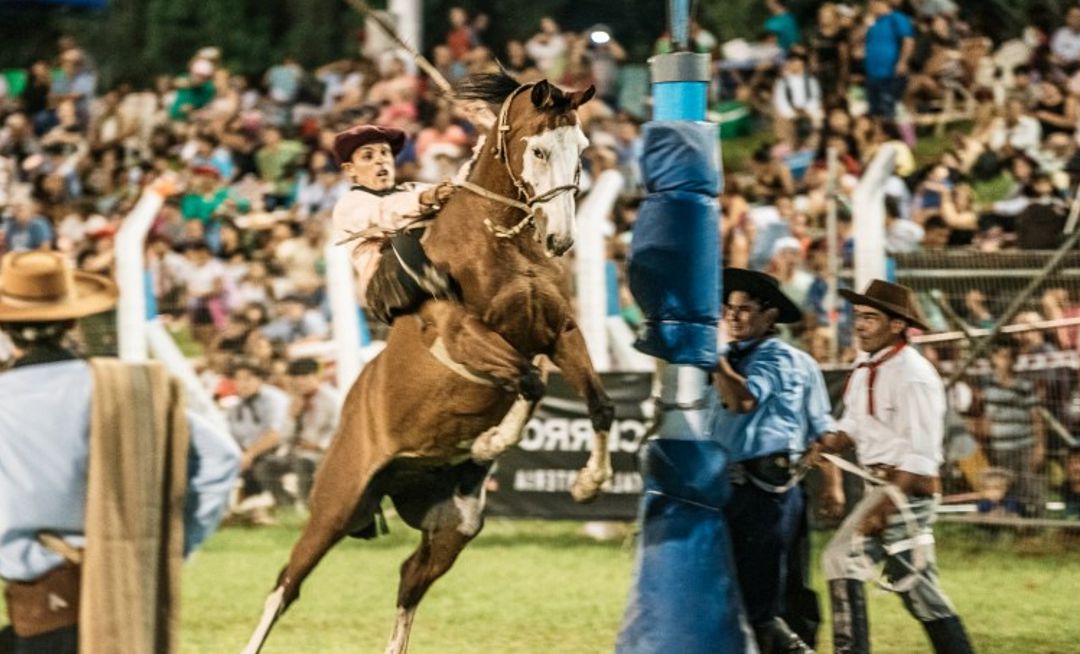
(345, 143)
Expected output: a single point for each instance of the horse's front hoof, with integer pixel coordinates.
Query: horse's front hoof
(586, 487)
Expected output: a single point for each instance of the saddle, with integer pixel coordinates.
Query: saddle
(406, 278)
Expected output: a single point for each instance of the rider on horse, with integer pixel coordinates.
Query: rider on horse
(379, 217)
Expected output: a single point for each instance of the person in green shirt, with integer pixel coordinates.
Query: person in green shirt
(194, 91)
(205, 194)
(275, 161)
(782, 24)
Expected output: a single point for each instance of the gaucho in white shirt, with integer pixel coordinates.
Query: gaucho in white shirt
(894, 417)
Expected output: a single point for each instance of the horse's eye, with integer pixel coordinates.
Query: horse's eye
(539, 154)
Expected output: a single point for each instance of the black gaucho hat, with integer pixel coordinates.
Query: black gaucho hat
(763, 288)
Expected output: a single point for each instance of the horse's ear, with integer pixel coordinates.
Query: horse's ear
(541, 94)
(580, 98)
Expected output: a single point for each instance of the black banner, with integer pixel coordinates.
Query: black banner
(533, 479)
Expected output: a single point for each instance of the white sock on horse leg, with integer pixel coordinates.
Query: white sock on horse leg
(399, 640)
(271, 611)
(505, 435)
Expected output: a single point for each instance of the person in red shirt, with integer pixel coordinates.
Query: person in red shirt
(460, 37)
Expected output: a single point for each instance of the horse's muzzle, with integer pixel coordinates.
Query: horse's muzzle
(556, 246)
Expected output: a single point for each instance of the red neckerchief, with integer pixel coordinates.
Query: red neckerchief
(873, 365)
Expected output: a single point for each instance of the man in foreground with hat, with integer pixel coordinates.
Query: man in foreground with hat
(894, 416)
(775, 404)
(379, 217)
(106, 481)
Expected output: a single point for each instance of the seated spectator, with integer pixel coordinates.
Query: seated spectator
(206, 194)
(940, 64)
(772, 178)
(312, 424)
(297, 323)
(1070, 488)
(395, 94)
(786, 265)
(1016, 132)
(1041, 225)
(1065, 44)
(25, 228)
(206, 292)
(194, 91)
(1023, 86)
(1055, 111)
(548, 49)
(936, 233)
(975, 311)
(519, 64)
(996, 498)
(901, 236)
(257, 422)
(887, 132)
(442, 130)
(301, 259)
(275, 161)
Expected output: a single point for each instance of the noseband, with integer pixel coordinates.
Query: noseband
(502, 127)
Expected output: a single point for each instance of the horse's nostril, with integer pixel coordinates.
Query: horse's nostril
(551, 243)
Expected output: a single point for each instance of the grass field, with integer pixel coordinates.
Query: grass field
(527, 587)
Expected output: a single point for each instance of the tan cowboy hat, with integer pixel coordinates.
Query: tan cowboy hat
(892, 299)
(39, 286)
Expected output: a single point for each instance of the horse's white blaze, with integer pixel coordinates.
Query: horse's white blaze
(271, 610)
(399, 640)
(551, 160)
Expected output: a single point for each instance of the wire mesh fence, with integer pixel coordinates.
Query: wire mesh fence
(1007, 337)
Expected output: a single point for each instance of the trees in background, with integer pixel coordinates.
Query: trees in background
(133, 40)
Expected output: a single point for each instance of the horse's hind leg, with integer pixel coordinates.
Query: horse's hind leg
(448, 507)
(438, 550)
(316, 539)
(338, 495)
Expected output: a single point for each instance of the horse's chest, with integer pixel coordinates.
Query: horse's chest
(528, 313)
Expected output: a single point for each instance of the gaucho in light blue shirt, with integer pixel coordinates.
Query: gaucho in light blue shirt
(773, 404)
(44, 439)
(792, 409)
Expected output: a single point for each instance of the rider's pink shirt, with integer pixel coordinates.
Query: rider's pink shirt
(377, 215)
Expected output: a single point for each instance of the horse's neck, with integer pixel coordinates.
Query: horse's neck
(467, 212)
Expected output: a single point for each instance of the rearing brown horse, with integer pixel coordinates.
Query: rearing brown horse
(452, 373)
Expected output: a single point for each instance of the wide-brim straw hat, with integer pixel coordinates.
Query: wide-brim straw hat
(38, 286)
(892, 299)
(764, 288)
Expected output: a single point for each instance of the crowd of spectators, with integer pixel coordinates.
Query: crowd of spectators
(237, 257)
(986, 161)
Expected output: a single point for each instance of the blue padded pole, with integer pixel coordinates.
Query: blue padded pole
(684, 597)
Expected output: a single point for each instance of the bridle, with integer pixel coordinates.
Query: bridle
(502, 127)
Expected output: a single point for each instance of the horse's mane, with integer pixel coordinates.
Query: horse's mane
(488, 87)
